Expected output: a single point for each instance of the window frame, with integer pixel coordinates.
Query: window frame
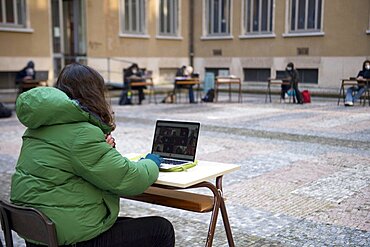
(248, 14)
(305, 31)
(368, 27)
(219, 35)
(177, 26)
(134, 34)
(15, 26)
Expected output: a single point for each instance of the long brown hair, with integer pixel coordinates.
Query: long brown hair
(82, 83)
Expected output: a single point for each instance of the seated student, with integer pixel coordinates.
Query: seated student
(132, 74)
(69, 169)
(27, 73)
(360, 89)
(292, 76)
(183, 73)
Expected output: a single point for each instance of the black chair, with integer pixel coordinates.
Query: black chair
(28, 223)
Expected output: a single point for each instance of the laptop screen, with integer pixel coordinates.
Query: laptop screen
(176, 140)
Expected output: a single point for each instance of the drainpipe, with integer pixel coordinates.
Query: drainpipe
(191, 33)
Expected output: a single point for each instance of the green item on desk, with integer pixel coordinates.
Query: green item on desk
(179, 168)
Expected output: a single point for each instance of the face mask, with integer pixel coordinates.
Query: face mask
(134, 71)
(367, 66)
(288, 68)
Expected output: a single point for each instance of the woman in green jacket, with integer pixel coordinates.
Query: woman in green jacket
(69, 169)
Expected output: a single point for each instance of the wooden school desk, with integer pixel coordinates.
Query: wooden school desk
(168, 191)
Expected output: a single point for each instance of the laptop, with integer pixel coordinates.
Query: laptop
(176, 142)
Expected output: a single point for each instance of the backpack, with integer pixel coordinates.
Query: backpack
(4, 112)
(210, 95)
(306, 96)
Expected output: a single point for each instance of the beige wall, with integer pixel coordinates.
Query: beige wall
(18, 47)
(345, 24)
(103, 32)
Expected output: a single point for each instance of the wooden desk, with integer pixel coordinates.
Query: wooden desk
(183, 81)
(166, 191)
(275, 81)
(353, 82)
(228, 80)
(145, 81)
(29, 84)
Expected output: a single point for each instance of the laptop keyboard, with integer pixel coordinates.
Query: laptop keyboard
(173, 162)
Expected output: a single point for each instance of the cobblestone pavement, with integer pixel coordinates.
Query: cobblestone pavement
(304, 177)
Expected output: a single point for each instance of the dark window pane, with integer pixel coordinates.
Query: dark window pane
(309, 75)
(301, 14)
(21, 12)
(319, 14)
(9, 8)
(249, 12)
(161, 17)
(169, 14)
(256, 75)
(292, 20)
(225, 16)
(216, 16)
(1, 12)
(271, 14)
(311, 14)
(264, 15)
(127, 16)
(134, 15)
(255, 15)
(280, 74)
(216, 71)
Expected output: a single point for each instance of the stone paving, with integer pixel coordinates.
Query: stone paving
(304, 177)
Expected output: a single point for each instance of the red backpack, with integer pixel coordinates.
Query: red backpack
(306, 96)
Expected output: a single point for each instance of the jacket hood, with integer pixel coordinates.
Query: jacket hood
(44, 106)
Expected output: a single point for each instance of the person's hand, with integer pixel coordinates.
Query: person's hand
(110, 140)
(156, 158)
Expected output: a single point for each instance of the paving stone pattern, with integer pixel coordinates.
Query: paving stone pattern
(304, 177)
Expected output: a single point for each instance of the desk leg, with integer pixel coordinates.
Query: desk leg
(218, 204)
(216, 92)
(240, 93)
(341, 93)
(225, 217)
(230, 92)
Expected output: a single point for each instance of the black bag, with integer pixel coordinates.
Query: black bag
(4, 112)
(210, 95)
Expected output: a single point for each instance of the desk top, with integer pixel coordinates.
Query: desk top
(204, 171)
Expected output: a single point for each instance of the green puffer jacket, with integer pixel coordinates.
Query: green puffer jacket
(68, 171)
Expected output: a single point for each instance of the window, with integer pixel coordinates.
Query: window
(258, 16)
(254, 75)
(305, 75)
(13, 13)
(168, 17)
(305, 15)
(218, 17)
(133, 16)
(218, 71)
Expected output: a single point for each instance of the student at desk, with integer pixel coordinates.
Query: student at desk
(69, 169)
(360, 89)
(27, 73)
(292, 76)
(132, 74)
(185, 72)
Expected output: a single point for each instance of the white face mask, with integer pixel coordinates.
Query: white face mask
(134, 71)
(367, 66)
(288, 68)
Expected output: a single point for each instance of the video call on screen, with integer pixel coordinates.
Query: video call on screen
(176, 140)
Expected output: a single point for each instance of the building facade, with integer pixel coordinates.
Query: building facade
(253, 39)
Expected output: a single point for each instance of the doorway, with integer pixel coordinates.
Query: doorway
(69, 32)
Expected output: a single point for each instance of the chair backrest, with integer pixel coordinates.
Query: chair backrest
(29, 223)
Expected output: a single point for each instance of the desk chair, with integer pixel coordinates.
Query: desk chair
(28, 223)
